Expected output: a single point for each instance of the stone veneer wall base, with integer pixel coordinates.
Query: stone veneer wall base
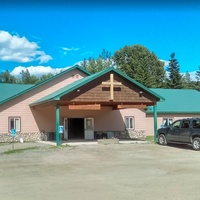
(38, 136)
(27, 137)
(128, 134)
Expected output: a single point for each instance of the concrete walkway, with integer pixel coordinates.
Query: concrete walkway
(90, 142)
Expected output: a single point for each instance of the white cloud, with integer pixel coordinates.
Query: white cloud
(37, 70)
(19, 49)
(192, 75)
(66, 49)
(166, 63)
(69, 49)
(43, 58)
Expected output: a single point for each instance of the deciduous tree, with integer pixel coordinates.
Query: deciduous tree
(6, 77)
(26, 78)
(44, 77)
(198, 79)
(140, 64)
(93, 65)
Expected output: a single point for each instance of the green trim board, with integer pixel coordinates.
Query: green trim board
(57, 124)
(177, 101)
(21, 89)
(77, 84)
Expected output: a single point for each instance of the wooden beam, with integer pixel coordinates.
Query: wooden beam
(131, 106)
(85, 107)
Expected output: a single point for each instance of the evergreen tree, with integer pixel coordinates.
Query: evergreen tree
(140, 64)
(175, 78)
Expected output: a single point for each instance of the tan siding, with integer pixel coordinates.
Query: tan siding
(106, 116)
(20, 105)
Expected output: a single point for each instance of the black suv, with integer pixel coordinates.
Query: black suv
(183, 131)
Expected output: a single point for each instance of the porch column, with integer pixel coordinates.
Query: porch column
(155, 121)
(57, 124)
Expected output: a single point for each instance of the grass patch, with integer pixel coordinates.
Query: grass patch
(150, 138)
(4, 144)
(19, 150)
(59, 147)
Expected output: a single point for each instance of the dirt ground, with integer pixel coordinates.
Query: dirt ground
(96, 172)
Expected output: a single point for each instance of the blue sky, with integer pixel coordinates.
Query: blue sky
(55, 35)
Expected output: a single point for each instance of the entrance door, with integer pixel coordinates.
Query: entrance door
(65, 129)
(75, 128)
(89, 128)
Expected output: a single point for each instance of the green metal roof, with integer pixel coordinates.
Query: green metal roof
(8, 90)
(177, 101)
(14, 90)
(75, 85)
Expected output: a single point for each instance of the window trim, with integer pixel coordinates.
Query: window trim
(133, 122)
(9, 123)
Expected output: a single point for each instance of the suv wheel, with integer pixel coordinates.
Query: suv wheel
(162, 139)
(196, 143)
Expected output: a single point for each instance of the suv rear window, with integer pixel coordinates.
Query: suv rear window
(196, 123)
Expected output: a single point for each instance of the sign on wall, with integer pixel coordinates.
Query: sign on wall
(13, 132)
(61, 129)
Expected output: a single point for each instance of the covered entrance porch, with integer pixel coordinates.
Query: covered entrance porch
(97, 98)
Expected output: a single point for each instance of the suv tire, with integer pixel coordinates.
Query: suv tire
(162, 139)
(196, 144)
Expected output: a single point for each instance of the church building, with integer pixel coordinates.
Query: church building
(75, 104)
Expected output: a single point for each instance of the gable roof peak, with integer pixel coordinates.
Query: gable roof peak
(30, 87)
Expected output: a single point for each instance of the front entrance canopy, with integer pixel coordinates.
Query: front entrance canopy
(106, 88)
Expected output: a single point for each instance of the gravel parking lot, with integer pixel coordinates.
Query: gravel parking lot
(94, 172)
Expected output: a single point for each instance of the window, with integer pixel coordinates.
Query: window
(176, 124)
(185, 124)
(167, 121)
(196, 123)
(14, 123)
(129, 122)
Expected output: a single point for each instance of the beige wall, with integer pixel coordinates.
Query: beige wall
(150, 120)
(35, 119)
(103, 119)
(20, 105)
